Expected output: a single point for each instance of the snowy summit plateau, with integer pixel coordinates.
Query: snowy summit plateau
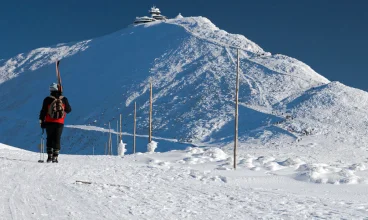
(303, 140)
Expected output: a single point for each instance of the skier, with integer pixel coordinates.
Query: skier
(52, 115)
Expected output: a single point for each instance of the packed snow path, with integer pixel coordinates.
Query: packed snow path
(163, 186)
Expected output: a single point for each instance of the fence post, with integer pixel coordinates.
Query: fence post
(150, 115)
(135, 127)
(236, 109)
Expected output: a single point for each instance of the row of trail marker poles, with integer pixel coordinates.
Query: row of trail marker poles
(119, 134)
(120, 139)
(236, 109)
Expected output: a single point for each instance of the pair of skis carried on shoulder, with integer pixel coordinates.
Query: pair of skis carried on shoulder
(60, 87)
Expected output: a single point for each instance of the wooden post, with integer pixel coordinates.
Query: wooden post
(121, 134)
(135, 126)
(236, 110)
(110, 141)
(150, 115)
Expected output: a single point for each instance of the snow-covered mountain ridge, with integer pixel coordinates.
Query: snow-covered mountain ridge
(192, 65)
(303, 140)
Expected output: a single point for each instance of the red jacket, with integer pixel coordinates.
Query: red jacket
(45, 117)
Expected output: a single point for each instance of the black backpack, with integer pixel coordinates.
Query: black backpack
(56, 108)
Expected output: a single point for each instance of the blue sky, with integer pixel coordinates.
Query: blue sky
(330, 36)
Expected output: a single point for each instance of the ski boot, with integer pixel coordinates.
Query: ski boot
(55, 159)
(49, 158)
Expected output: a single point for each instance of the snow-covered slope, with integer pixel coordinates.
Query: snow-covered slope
(191, 63)
(196, 183)
(329, 109)
(295, 129)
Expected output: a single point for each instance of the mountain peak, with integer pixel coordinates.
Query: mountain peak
(192, 65)
(179, 16)
(203, 28)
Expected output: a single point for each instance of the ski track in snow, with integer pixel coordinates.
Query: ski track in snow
(246, 78)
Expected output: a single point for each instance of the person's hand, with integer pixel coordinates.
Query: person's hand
(42, 124)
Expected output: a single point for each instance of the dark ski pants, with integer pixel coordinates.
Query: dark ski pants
(53, 131)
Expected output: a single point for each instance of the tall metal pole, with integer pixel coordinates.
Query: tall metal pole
(150, 115)
(236, 109)
(135, 127)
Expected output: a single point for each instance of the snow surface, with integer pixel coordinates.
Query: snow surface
(302, 139)
(196, 183)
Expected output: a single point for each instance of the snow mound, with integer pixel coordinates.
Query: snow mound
(151, 147)
(291, 162)
(358, 167)
(322, 173)
(199, 155)
(258, 163)
(215, 154)
(121, 148)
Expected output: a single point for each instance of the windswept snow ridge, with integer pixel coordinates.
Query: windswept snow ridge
(38, 58)
(203, 28)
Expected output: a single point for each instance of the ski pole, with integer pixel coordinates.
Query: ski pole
(40, 151)
(43, 144)
(41, 160)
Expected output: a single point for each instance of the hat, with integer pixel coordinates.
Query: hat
(54, 87)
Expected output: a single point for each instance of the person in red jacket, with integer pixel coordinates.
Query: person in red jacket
(53, 122)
